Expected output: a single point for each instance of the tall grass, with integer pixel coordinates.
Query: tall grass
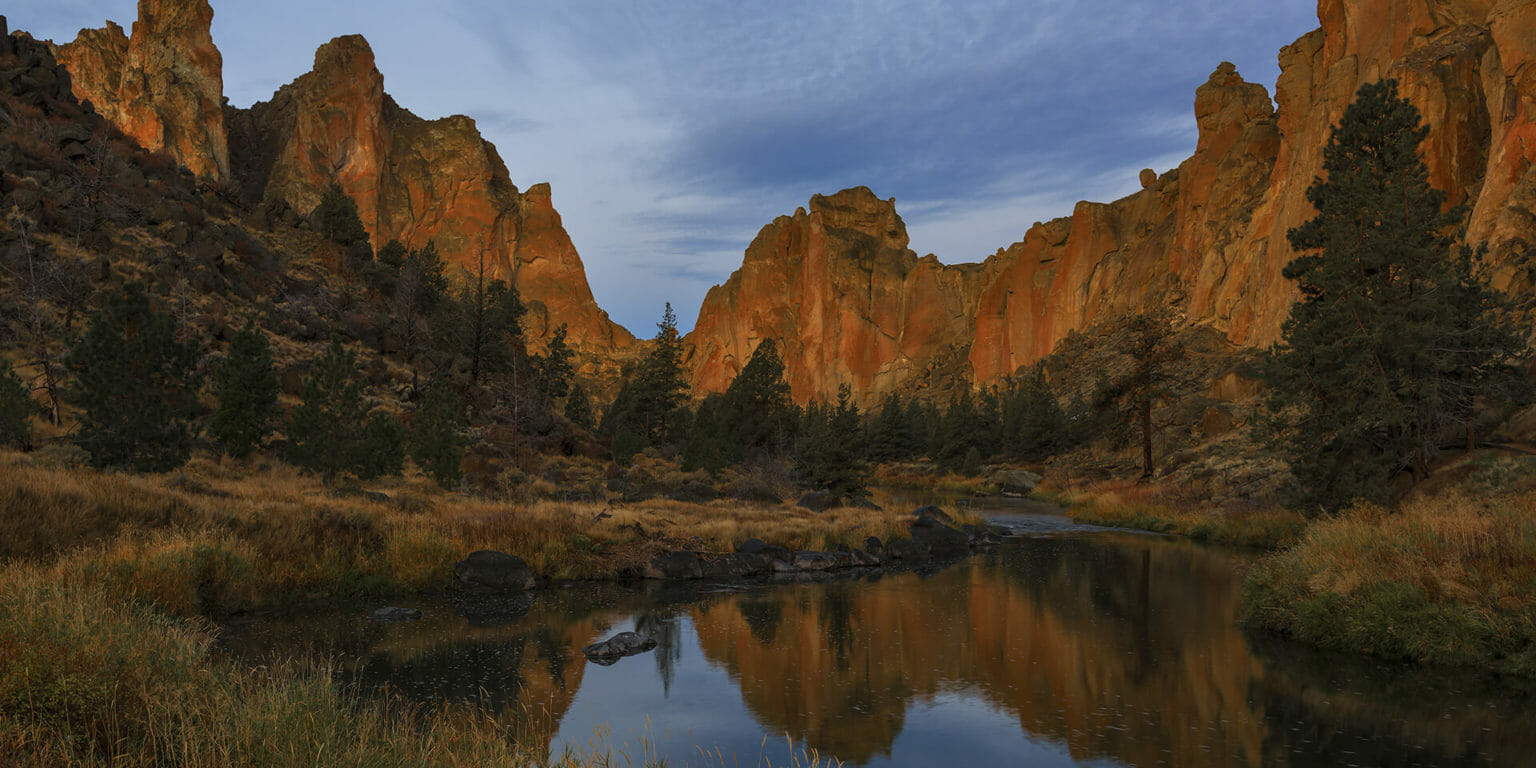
(1162, 509)
(1446, 579)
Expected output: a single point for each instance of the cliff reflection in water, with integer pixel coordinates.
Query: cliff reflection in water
(1104, 647)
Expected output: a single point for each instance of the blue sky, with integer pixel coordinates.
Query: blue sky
(672, 131)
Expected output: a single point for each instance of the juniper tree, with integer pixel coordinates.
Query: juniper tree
(1396, 338)
(437, 434)
(827, 456)
(336, 218)
(333, 430)
(756, 412)
(578, 407)
(246, 387)
(553, 369)
(648, 410)
(136, 384)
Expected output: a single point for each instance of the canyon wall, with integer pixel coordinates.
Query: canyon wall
(1208, 237)
(414, 180)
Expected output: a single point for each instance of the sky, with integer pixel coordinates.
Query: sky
(671, 131)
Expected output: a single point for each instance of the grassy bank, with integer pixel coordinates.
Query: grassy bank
(1152, 507)
(211, 539)
(1446, 580)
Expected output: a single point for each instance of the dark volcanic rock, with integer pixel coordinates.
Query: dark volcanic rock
(739, 565)
(617, 647)
(908, 549)
(760, 547)
(822, 561)
(873, 546)
(494, 571)
(674, 565)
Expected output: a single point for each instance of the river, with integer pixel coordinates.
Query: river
(1065, 646)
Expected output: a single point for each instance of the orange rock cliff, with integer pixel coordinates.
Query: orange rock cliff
(414, 180)
(836, 283)
(850, 305)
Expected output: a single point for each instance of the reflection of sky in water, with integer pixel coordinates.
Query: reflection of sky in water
(630, 702)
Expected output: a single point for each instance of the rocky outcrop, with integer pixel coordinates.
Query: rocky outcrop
(850, 305)
(417, 181)
(846, 299)
(163, 85)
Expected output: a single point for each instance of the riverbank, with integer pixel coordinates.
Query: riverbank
(1162, 509)
(109, 582)
(1443, 580)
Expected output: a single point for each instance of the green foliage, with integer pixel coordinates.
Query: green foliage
(828, 456)
(136, 383)
(16, 407)
(971, 466)
(438, 434)
(963, 428)
(578, 407)
(756, 414)
(1034, 425)
(336, 218)
(246, 387)
(890, 433)
(553, 369)
(648, 411)
(1397, 340)
(323, 432)
(486, 328)
(419, 291)
(710, 446)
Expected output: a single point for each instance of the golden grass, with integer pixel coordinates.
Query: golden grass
(1156, 507)
(214, 538)
(1445, 579)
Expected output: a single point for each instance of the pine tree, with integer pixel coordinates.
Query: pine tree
(1034, 424)
(709, 447)
(890, 434)
(438, 434)
(16, 409)
(756, 412)
(648, 410)
(336, 218)
(418, 292)
(136, 383)
(1395, 339)
(827, 459)
(553, 369)
(246, 387)
(323, 431)
(578, 407)
(1154, 351)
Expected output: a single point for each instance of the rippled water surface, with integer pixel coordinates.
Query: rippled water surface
(1063, 647)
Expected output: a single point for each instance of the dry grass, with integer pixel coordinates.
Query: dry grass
(212, 538)
(1446, 579)
(1157, 507)
(928, 477)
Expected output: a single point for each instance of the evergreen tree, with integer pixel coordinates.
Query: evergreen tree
(16, 408)
(323, 431)
(490, 334)
(418, 292)
(438, 434)
(827, 457)
(648, 409)
(1154, 351)
(136, 383)
(336, 218)
(890, 434)
(1395, 339)
(756, 413)
(578, 407)
(1034, 424)
(553, 369)
(961, 429)
(246, 387)
(710, 446)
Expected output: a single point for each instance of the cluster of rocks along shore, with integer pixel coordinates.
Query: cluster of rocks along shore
(934, 536)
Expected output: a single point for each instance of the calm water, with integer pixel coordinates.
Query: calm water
(1062, 648)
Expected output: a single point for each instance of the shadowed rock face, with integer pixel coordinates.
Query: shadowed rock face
(163, 85)
(417, 181)
(1209, 236)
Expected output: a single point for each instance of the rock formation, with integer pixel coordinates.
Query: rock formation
(846, 299)
(1208, 237)
(417, 181)
(163, 86)
(414, 180)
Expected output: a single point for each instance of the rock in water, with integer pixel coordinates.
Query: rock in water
(617, 647)
(494, 571)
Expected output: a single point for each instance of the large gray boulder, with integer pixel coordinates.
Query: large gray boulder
(1015, 482)
(491, 571)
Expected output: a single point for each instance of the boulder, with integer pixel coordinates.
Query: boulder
(617, 647)
(487, 570)
(865, 559)
(1015, 482)
(908, 550)
(822, 561)
(873, 546)
(674, 565)
(739, 565)
(979, 536)
(817, 501)
(932, 516)
(760, 547)
(392, 613)
(696, 493)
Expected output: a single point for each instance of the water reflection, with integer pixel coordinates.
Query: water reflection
(1053, 651)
